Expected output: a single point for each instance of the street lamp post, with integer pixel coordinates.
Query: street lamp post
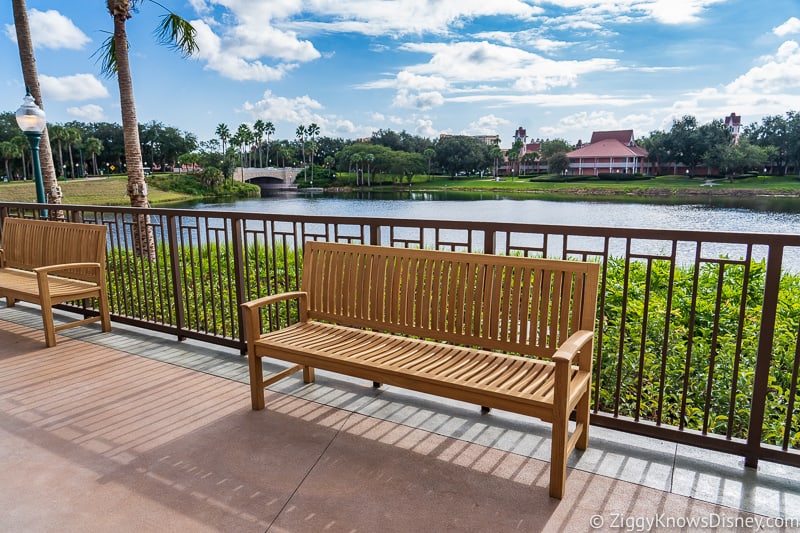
(31, 120)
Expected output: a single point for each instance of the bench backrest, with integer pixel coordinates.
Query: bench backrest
(29, 244)
(515, 304)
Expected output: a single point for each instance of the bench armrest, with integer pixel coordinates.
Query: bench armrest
(572, 347)
(2, 258)
(275, 298)
(252, 310)
(49, 269)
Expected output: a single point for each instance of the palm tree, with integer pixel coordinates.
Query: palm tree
(300, 133)
(224, 134)
(369, 158)
(8, 151)
(495, 152)
(245, 137)
(259, 128)
(312, 131)
(58, 134)
(514, 155)
(22, 143)
(173, 31)
(31, 76)
(429, 154)
(72, 136)
(356, 158)
(269, 129)
(95, 146)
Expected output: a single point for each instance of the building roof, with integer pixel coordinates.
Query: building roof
(733, 120)
(623, 136)
(607, 148)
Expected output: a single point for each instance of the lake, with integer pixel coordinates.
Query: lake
(761, 214)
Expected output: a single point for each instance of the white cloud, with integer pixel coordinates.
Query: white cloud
(344, 127)
(678, 11)
(418, 100)
(405, 17)
(424, 128)
(88, 112)
(72, 88)
(790, 26)
(779, 73)
(480, 67)
(51, 29)
(487, 125)
(579, 126)
(299, 110)
(232, 61)
(773, 87)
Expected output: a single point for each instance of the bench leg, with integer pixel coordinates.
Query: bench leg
(308, 374)
(256, 382)
(582, 421)
(49, 327)
(105, 317)
(558, 456)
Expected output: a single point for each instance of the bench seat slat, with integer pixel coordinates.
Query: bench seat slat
(319, 340)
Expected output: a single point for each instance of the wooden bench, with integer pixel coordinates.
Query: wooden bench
(47, 263)
(502, 332)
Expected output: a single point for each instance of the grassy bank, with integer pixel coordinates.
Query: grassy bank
(164, 190)
(659, 187)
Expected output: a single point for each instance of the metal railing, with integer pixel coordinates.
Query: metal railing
(698, 333)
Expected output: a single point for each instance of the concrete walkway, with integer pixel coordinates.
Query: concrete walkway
(134, 431)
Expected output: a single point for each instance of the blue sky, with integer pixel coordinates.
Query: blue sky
(557, 68)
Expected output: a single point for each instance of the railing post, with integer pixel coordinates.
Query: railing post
(764, 357)
(374, 234)
(238, 276)
(175, 263)
(489, 238)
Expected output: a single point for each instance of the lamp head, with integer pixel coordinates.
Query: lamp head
(30, 118)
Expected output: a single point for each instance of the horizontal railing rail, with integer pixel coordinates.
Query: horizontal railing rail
(698, 332)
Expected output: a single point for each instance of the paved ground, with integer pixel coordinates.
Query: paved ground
(133, 431)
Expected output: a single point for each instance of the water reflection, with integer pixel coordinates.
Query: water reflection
(753, 214)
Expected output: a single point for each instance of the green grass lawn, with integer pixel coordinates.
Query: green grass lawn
(111, 191)
(661, 186)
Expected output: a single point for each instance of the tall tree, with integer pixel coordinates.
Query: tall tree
(269, 130)
(73, 137)
(514, 156)
(31, 77)
(94, 146)
(259, 128)
(429, 154)
(224, 134)
(59, 134)
(313, 132)
(173, 31)
(9, 151)
(300, 133)
(244, 135)
(22, 143)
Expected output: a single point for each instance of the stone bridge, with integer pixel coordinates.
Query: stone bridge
(268, 177)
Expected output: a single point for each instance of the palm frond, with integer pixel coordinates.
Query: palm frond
(106, 55)
(177, 33)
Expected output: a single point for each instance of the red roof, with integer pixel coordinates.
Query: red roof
(607, 148)
(623, 136)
